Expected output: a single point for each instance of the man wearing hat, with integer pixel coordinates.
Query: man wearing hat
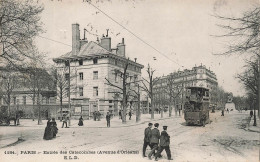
(147, 137)
(164, 144)
(154, 140)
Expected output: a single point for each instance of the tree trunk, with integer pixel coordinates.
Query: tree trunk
(61, 106)
(138, 114)
(124, 103)
(9, 104)
(33, 115)
(152, 108)
(161, 108)
(259, 86)
(116, 108)
(39, 109)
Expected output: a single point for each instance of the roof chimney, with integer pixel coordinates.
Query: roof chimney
(107, 32)
(135, 59)
(121, 48)
(75, 39)
(106, 42)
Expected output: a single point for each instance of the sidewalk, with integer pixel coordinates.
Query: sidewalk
(28, 124)
(254, 128)
(114, 123)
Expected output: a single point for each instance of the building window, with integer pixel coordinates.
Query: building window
(80, 62)
(80, 91)
(80, 76)
(47, 100)
(95, 91)
(135, 78)
(14, 100)
(95, 75)
(116, 77)
(95, 61)
(67, 63)
(110, 101)
(67, 76)
(67, 92)
(24, 100)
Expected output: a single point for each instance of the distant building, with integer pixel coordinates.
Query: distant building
(87, 66)
(21, 95)
(198, 76)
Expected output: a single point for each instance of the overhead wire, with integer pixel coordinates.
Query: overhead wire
(148, 44)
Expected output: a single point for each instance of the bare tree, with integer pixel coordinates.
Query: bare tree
(245, 30)
(173, 90)
(8, 82)
(149, 88)
(19, 24)
(38, 80)
(250, 77)
(122, 88)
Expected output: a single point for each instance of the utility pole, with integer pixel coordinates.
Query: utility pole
(69, 97)
(138, 114)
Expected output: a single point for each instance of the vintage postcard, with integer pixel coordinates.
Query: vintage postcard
(129, 80)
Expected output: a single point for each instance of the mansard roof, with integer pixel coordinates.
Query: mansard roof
(88, 49)
(91, 50)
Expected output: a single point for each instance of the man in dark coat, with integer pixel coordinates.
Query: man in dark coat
(130, 115)
(147, 137)
(108, 119)
(120, 114)
(164, 144)
(154, 140)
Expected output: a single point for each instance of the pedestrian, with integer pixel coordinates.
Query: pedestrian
(98, 115)
(95, 115)
(80, 121)
(164, 144)
(65, 121)
(130, 114)
(53, 126)
(147, 138)
(48, 134)
(251, 113)
(120, 114)
(222, 112)
(108, 119)
(227, 110)
(154, 140)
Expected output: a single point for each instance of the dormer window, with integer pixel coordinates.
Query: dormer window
(67, 63)
(95, 61)
(80, 62)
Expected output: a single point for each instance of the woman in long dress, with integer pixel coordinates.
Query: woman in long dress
(80, 121)
(48, 133)
(54, 127)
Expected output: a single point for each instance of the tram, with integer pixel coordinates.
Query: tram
(196, 107)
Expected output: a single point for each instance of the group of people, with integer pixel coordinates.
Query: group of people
(96, 115)
(129, 113)
(156, 141)
(51, 129)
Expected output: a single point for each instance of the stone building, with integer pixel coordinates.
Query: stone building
(198, 76)
(87, 66)
(18, 93)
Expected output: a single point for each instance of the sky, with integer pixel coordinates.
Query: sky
(178, 33)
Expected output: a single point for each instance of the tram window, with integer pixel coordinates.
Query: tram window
(207, 94)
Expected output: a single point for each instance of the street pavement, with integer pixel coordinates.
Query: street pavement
(228, 138)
